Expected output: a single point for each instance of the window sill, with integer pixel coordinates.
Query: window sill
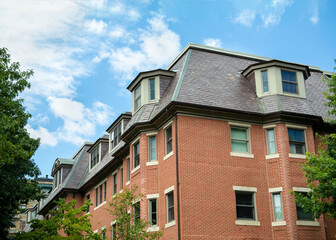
(121, 191)
(127, 183)
(152, 163)
(153, 229)
(135, 169)
(307, 223)
(103, 203)
(280, 223)
(170, 224)
(239, 154)
(293, 155)
(247, 222)
(168, 155)
(270, 156)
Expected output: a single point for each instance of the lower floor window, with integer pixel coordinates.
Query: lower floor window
(137, 212)
(277, 207)
(245, 205)
(114, 231)
(170, 207)
(100, 194)
(152, 218)
(301, 214)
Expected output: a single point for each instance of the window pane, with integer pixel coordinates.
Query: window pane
(301, 215)
(152, 89)
(239, 133)
(265, 80)
(169, 143)
(152, 142)
(239, 146)
(128, 169)
(121, 178)
(245, 205)
(271, 141)
(152, 212)
(136, 155)
(170, 206)
(137, 211)
(278, 216)
(288, 76)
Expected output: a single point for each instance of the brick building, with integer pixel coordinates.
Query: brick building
(214, 142)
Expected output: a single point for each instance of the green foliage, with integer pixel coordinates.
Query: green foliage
(122, 210)
(320, 173)
(16, 146)
(331, 96)
(74, 223)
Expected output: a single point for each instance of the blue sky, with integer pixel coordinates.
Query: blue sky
(85, 53)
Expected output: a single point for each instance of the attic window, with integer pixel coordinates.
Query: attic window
(289, 82)
(94, 157)
(115, 136)
(152, 89)
(137, 97)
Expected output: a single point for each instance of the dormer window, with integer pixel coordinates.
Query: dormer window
(115, 136)
(137, 97)
(57, 179)
(152, 89)
(265, 81)
(94, 157)
(289, 81)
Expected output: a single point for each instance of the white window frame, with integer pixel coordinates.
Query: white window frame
(97, 204)
(111, 135)
(136, 141)
(139, 98)
(149, 90)
(168, 154)
(99, 157)
(155, 227)
(249, 145)
(277, 190)
(253, 190)
(167, 192)
(262, 80)
(151, 162)
(276, 154)
(297, 82)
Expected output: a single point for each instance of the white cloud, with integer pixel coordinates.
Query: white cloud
(117, 32)
(121, 9)
(213, 42)
(270, 19)
(245, 17)
(315, 12)
(46, 137)
(158, 46)
(95, 26)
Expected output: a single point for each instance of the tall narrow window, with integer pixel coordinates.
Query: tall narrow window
(239, 139)
(270, 138)
(136, 155)
(170, 207)
(277, 207)
(245, 205)
(289, 82)
(116, 136)
(137, 97)
(97, 200)
(100, 194)
(121, 178)
(296, 141)
(152, 218)
(88, 198)
(151, 89)
(115, 183)
(114, 231)
(265, 81)
(128, 169)
(169, 139)
(152, 148)
(94, 157)
(136, 212)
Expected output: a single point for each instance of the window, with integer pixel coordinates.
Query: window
(136, 208)
(170, 207)
(296, 141)
(151, 89)
(240, 139)
(114, 231)
(128, 169)
(152, 148)
(168, 138)
(301, 215)
(100, 194)
(270, 138)
(245, 205)
(152, 208)
(136, 155)
(94, 157)
(137, 97)
(277, 207)
(121, 178)
(265, 81)
(115, 183)
(289, 82)
(88, 198)
(115, 136)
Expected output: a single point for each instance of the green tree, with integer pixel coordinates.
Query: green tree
(125, 209)
(320, 169)
(16, 146)
(73, 222)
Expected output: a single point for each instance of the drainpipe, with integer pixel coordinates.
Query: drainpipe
(177, 184)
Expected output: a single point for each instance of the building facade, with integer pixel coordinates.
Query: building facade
(214, 142)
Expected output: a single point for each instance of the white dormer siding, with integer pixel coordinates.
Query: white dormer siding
(278, 78)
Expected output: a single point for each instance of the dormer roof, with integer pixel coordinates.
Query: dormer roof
(103, 138)
(148, 74)
(265, 64)
(61, 162)
(125, 115)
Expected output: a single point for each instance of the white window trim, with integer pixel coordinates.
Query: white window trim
(153, 229)
(127, 183)
(168, 190)
(299, 127)
(98, 206)
(296, 126)
(294, 155)
(170, 224)
(167, 124)
(150, 134)
(168, 155)
(269, 126)
(302, 189)
(279, 223)
(110, 135)
(152, 163)
(275, 190)
(152, 196)
(148, 150)
(135, 169)
(308, 223)
(136, 141)
(103, 203)
(113, 222)
(271, 156)
(244, 189)
(248, 154)
(247, 222)
(241, 154)
(99, 160)
(239, 124)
